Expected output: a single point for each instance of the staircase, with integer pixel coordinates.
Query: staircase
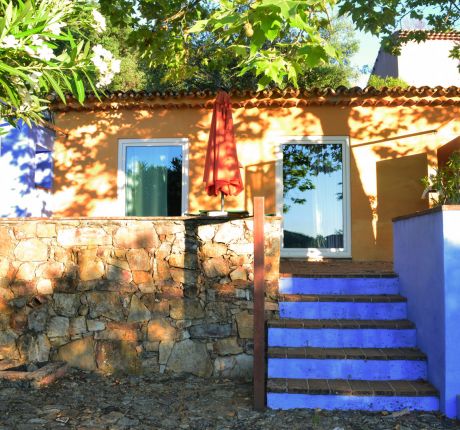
(345, 343)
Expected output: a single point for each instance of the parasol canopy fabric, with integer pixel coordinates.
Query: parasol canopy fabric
(221, 172)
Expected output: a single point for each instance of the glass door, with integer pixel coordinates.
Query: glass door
(313, 199)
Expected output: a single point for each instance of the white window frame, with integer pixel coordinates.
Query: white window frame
(123, 144)
(346, 201)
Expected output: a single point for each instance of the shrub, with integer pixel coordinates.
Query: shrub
(446, 182)
(388, 81)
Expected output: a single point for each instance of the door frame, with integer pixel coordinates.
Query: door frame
(344, 252)
(123, 144)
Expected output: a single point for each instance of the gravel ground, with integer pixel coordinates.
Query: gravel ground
(87, 401)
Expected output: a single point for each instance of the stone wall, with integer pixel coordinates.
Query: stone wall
(133, 295)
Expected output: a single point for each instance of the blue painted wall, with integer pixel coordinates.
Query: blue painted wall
(427, 259)
(451, 229)
(26, 170)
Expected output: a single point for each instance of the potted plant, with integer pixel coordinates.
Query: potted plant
(445, 183)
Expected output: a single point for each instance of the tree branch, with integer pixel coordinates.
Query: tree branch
(181, 12)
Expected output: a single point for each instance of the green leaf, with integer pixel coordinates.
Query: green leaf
(314, 55)
(292, 74)
(287, 8)
(8, 14)
(25, 11)
(240, 50)
(29, 32)
(330, 50)
(91, 84)
(79, 87)
(80, 46)
(54, 85)
(86, 50)
(71, 39)
(257, 40)
(273, 72)
(271, 26)
(15, 71)
(67, 83)
(263, 82)
(10, 91)
(198, 27)
(2, 28)
(301, 23)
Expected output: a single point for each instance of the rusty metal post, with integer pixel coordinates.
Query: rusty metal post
(259, 302)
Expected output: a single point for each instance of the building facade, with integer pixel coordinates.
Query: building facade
(427, 63)
(337, 165)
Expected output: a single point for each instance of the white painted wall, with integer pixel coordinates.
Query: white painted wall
(420, 64)
(429, 64)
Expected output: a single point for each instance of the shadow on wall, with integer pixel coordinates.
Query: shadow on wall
(443, 153)
(87, 162)
(398, 186)
(26, 167)
(392, 148)
(131, 295)
(403, 147)
(86, 171)
(259, 180)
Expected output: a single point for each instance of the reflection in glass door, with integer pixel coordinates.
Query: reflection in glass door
(315, 197)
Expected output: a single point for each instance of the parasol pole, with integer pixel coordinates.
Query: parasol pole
(221, 201)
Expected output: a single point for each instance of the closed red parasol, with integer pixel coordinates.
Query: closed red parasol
(221, 172)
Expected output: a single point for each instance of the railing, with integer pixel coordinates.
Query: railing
(259, 303)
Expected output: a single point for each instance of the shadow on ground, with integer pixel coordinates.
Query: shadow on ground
(87, 401)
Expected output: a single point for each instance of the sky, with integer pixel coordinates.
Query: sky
(369, 46)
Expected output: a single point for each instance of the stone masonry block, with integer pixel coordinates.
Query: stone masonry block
(117, 356)
(31, 250)
(160, 329)
(85, 236)
(79, 353)
(138, 259)
(143, 236)
(245, 323)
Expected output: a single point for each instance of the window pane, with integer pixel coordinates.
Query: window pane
(153, 180)
(313, 192)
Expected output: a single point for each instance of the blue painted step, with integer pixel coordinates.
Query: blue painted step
(372, 403)
(344, 343)
(347, 394)
(299, 285)
(341, 334)
(336, 307)
(346, 369)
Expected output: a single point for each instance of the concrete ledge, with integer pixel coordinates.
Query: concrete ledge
(436, 209)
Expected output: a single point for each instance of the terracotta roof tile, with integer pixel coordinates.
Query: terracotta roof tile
(341, 96)
(432, 35)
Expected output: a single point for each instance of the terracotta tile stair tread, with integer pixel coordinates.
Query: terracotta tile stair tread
(301, 267)
(343, 324)
(351, 387)
(357, 298)
(347, 353)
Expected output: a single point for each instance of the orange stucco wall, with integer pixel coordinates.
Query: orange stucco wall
(391, 149)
